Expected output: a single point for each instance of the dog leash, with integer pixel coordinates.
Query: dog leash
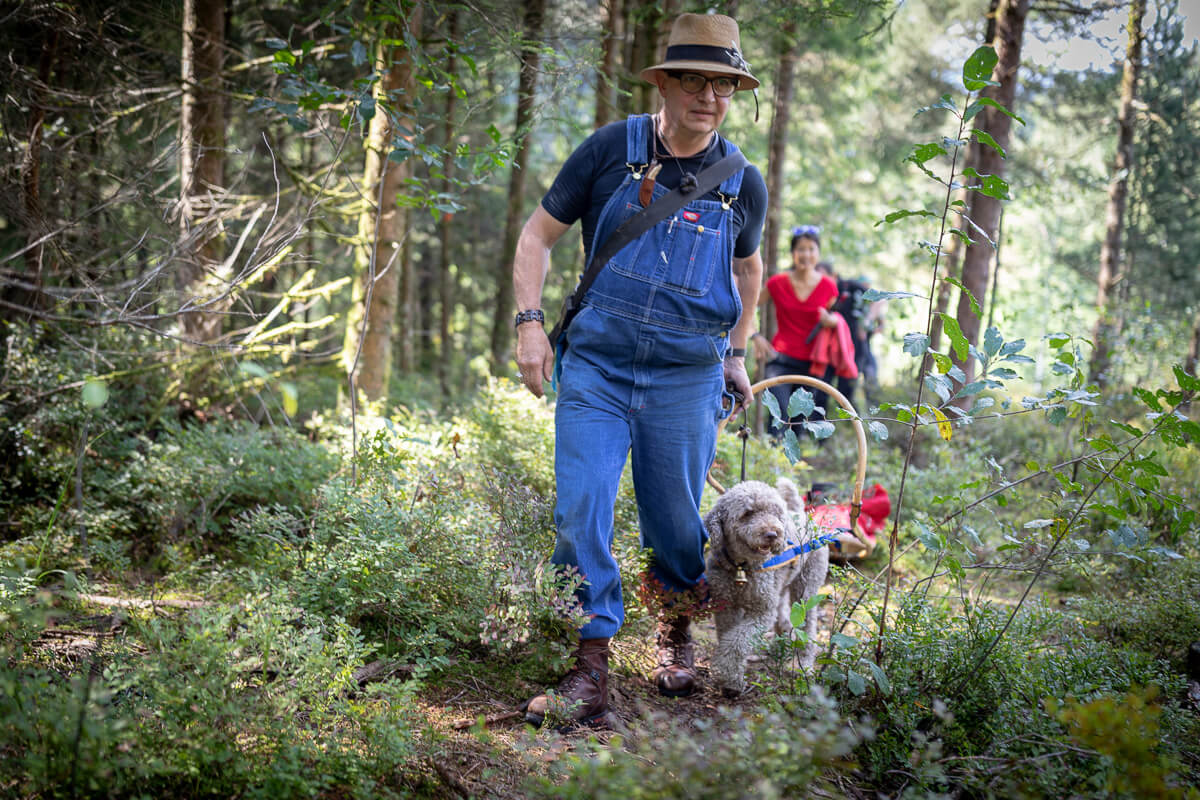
(743, 432)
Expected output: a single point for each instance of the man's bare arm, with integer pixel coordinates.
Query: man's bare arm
(747, 277)
(531, 264)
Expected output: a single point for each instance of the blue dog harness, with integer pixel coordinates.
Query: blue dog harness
(794, 551)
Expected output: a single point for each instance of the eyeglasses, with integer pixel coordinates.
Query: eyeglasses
(806, 230)
(694, 83)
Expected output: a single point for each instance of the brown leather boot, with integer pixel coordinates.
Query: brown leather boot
(581, 697)
(675, 674)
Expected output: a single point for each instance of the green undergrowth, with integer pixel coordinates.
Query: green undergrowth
(423, 554)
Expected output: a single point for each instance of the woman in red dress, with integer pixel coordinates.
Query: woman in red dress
(803, 298)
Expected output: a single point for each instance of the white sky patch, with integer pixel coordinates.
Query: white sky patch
(1103, 44)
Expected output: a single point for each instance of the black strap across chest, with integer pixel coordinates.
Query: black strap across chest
(708, 179)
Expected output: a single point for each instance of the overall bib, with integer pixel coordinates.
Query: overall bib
(643, 375)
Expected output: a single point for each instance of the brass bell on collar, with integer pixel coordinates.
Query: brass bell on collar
(740, 576)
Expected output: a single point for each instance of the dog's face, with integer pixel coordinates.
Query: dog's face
(752, 522)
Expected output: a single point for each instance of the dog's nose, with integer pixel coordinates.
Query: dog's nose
(770, 535)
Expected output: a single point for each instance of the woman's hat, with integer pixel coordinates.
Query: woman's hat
(706, 43)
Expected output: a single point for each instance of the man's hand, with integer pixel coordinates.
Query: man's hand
(736, 380)
(535, 357)
(763, 352)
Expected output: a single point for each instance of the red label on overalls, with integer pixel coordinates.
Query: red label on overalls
(691, 216)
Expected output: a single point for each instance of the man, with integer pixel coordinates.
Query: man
(661, 334)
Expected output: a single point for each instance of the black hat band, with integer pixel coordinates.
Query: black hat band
(707, 52)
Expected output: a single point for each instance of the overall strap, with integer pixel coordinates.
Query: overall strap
(633, 227)
(732, 185)
(637, 138)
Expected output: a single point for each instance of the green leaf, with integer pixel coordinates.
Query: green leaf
(358, 54)
(942, 362)
(772, 403)
(945, 104)
(871, 295)
(856, 683)
(991, 185)
(366, 109)
(254, 369)
(841, 640)
(992, 341)
(95, 393)
(957, 340)
(820, 430)
(925, 152)
(881, 679)
(955, 282)
(791, 446)
(931, 540)
(799, 611)
(978, 105)
(801, 403)
(291, 397)
(985, 138)
(276, 44)
(285, 57)
(1189, 383)
(972, 388)
(977, 69)
(939, 385)
(916, 344)
(494, 133)
(879, 431)
(1130, 429)
(1010, 348)
(896, 216)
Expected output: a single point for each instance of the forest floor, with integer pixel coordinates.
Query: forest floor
(484, 747)
(479, 769)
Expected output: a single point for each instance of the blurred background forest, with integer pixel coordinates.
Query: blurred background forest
(255, 397)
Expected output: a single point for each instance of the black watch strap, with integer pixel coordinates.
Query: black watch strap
(530, 315)
(736, 352)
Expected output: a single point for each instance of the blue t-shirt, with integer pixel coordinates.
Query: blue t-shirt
(595, 170)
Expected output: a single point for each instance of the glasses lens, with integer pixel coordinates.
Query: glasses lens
(691, 82)
(723, 87)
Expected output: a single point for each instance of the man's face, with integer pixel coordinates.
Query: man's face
(698, 114)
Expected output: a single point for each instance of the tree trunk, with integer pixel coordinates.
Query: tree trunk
(445, 278)
(1193, 347)
(777, 137)
(613, 12)
(202, 170)
(526, 95)
(381, 229)
(31, 196)
(951, 256)
(647, 22)
(985, 211)
(409, 323)
(1110, 251)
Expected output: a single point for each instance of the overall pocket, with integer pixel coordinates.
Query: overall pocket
(679, 254)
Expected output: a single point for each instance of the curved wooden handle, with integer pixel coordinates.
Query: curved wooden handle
(859, 433)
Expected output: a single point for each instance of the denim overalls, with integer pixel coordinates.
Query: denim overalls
(643, 374)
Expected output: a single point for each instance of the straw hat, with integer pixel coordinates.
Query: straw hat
(705, 43)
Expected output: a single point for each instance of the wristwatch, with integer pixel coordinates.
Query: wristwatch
(529, 315)
(736, 352)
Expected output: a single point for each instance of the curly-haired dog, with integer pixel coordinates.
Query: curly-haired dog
(753, 524)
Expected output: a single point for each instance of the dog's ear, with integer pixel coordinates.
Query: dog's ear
(714, 521)
(791, 495)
